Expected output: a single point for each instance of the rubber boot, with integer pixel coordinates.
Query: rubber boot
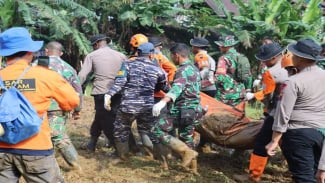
(183, 150)
(257, 165)
(70, 155)
(146, 146)
(91, 146)
(160, 152)
(122, 150)
(194, 167)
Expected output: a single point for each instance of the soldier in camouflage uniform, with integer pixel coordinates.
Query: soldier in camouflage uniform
(185, 95)
(57, 118)
(229, 91)
(137, 80)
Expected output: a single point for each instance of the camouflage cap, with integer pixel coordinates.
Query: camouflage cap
(228, 40)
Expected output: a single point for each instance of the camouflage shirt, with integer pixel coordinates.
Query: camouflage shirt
(228, 90)
(137, 80)
(69, 74)
(185, 89)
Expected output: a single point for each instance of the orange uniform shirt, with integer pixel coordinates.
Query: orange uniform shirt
(39, 85)
(168, 67)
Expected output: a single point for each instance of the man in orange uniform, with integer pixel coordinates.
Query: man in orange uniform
(162, 60)
(206, 65)
(33, 158)
(272, 79)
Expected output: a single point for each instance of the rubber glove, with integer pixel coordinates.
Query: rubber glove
(107, 102)
(157, 108)
(256, 82)
(249, 96)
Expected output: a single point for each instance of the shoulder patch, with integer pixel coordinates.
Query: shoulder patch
(122, 72)
(202, 60)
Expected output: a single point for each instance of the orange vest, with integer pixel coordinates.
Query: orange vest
(168, 67)
(41, 85)
(202, 60)
(269, 85)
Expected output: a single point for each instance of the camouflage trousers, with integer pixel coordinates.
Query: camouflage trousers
(123, 122)
(168, 122)
(59, 136)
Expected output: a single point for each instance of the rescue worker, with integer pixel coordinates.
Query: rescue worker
(135, 41)
(104, 63)
(135, 140)
(137, 80)
(206, 65)
(186, 108)
(262, 67)
(162, 60)
(32, 158)
(299, 117)
(272, 80)
(57, 118)
(229, 91)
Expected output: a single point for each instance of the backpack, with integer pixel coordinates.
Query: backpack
(243, 71)
(18, 118)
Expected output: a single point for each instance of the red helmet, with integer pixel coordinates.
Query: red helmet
(138, 39)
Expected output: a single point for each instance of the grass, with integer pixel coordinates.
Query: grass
(254, 110)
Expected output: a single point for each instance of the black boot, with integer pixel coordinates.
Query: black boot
(91, 146)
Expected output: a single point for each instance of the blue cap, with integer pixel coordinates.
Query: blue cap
(17, 39)
(146, 48)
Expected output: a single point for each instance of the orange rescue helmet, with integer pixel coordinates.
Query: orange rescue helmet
(287, 60)
(138, 39)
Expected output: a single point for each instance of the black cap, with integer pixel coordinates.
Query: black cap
(268, 51)
(306, 48)
(155, 41)
(97, 38)
(199, 42)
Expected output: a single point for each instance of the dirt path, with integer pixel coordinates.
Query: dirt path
(218, 167)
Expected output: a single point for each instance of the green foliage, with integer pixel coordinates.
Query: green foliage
(312, 12)
(148, 14)
(254, 110)
(74, 21)
(6, 13)
(199, 19)
(52, 20)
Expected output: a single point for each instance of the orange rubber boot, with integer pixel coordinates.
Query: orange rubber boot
(257, 165)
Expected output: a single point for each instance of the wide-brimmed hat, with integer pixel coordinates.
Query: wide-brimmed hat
(97, 38)
(268, 51)
(306, 48)
(146, 48)
(199, 42)
(17, 39)
(226, 41)
(155, 41)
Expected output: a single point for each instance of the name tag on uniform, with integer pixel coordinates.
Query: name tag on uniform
(22, 85)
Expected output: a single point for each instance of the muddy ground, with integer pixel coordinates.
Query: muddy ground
(214, 167)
